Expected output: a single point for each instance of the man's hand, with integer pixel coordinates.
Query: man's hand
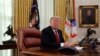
(68, 44)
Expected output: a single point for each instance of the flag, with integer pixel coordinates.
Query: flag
(71, 30)
(67, 28)
(73, 33)
(35, 13)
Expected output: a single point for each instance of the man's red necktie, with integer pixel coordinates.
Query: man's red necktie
(57, 37)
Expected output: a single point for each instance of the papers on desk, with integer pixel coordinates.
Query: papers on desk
(78, 47)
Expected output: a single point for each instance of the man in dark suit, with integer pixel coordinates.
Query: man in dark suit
(52, 36)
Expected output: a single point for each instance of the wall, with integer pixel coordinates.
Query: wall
(82, 31)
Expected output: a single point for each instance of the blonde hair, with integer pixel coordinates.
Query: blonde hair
(55, 17)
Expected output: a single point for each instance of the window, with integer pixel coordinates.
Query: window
(5, 21)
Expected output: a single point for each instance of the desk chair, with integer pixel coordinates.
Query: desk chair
(27, 38)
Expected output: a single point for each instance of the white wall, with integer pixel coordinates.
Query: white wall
(82, 31)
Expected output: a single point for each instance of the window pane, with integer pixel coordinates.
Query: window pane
(5, 21)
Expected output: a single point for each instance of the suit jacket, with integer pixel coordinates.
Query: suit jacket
(48, 39)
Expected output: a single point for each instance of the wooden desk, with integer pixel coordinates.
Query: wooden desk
(85, 52)
(8, 46)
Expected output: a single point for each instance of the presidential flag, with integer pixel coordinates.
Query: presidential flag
(73, 35)
(35, 13)
(73, 28)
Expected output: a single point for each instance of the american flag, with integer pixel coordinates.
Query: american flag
(70, 30)
(67, 28)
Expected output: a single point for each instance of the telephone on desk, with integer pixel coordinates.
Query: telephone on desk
(68, 50)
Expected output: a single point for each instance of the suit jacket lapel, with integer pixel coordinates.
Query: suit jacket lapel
(52, 33)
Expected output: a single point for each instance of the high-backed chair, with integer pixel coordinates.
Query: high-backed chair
(27, 38)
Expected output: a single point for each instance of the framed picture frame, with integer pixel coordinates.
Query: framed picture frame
(88, 16)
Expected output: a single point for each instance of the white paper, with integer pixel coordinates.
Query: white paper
(79, 48)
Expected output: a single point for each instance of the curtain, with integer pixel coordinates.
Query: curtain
(46, 11)
(60, 10)
(64, 8)
(21, 13)
(5, 21)
(70, 9)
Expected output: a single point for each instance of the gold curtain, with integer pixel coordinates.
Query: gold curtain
(64, 8)
(60, 10)
(70, 9)
(21, 13)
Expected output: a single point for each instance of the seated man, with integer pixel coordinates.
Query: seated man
(52, 36)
